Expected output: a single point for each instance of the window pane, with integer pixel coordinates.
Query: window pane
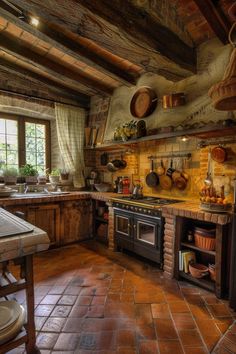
(11, 126)
(40, 131)
(30, 129)
(9, 142)
(12, 157)
(41, 169)
(36, 145)
(30, 144)
(2, 126)
(40, 145)
(30, 158)
(41, 159)
(2, 141)
(12, 142)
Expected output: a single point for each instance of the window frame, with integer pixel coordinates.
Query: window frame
(21, 120)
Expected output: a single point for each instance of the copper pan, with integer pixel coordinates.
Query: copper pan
(173, 100)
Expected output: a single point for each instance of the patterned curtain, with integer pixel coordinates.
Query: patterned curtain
(70, 130)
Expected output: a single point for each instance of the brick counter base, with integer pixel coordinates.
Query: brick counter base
(169, 244)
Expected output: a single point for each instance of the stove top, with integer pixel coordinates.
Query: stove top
(148, 200)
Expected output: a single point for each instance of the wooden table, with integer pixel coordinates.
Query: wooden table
(19, 249)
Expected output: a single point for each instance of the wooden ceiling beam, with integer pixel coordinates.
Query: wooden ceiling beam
(57, 88)
(65, 44)
(59, 71)
(122, 29)
(141, 26)
(215, 18)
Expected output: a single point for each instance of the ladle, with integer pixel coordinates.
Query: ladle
(208, 179)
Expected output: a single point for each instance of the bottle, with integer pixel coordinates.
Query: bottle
(125, 185)
(120, 185)
(190, 237)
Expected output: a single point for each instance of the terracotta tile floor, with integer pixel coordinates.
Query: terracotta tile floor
(90, 300)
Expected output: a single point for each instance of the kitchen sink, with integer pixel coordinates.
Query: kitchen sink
(29, 195)
(37, 194)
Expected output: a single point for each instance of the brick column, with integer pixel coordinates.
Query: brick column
(111, 226)
(169, 245)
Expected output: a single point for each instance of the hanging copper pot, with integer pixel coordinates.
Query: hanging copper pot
(143, 102)
(173, 100)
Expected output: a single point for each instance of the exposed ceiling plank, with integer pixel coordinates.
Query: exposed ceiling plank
(55, 87)
(139, 24)
(62, 42)
(131, 33)
(12, 83)
(25, 53)
(215, 18)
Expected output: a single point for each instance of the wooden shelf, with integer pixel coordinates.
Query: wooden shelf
(192, 246)
(209, 131)
(203, 282)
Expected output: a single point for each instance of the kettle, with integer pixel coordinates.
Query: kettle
(138, 190)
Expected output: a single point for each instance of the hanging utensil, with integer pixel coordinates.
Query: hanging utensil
(184, 173)
(165, 182)
(180, 182)
(152, 179)
(208, 179)
(176, 173)
(104, 159)
(161, 169)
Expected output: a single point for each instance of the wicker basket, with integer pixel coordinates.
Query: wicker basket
(205, 238)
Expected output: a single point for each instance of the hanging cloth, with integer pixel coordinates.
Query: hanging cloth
(70, 123)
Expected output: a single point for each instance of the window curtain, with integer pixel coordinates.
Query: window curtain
(70, 131)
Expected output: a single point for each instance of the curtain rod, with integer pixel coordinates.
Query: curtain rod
(38, 98)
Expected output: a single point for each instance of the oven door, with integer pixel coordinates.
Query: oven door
(148, 237)
(123, 229)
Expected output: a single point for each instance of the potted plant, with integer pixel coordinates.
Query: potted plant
(10, 175)
(64, 175)
(30, 173)
(54, 176)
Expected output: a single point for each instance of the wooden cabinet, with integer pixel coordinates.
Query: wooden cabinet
(44, 216)
(219, 256)
(64, 222)
(76, 221)
(100, 221)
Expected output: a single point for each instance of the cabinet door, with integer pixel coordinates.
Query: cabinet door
(76, 221)
(44, 216)
(47, 218)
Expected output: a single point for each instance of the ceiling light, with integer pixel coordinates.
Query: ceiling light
(34, 21)
(184, 138)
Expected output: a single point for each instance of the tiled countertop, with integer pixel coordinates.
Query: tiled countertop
(188, 208)
(191, 209)
(45, 198)
(24, 244)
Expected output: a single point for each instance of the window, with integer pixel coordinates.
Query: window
(24, 140)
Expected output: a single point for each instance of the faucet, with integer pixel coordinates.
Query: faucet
(26, 189)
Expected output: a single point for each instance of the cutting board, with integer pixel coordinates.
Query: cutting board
(11, 225)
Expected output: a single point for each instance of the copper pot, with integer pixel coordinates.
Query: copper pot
(173, 100)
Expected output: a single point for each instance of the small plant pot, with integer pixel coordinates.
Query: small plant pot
(64, 176)
(54, 179)
(42, 179)
(10, 180)
(31, 179)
